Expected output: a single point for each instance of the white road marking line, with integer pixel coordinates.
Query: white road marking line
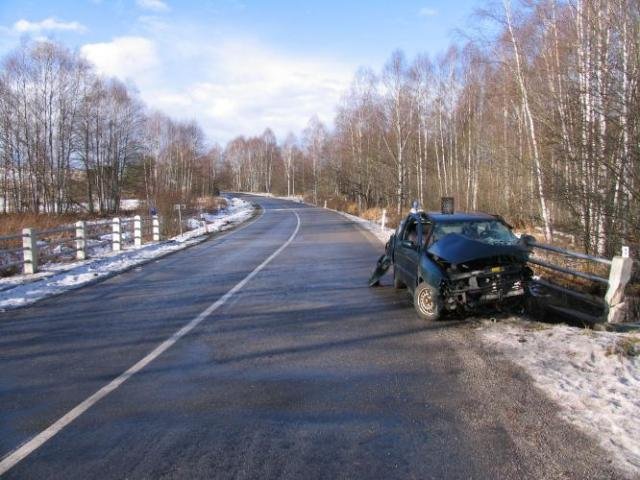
(36, 442)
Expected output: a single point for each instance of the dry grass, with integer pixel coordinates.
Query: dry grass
(373, 214)
(14, 223)
(627, 346)
(211, 204)
(170, 225)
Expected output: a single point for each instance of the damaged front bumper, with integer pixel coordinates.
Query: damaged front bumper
(471, 289)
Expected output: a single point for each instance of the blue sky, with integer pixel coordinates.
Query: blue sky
(238, 66)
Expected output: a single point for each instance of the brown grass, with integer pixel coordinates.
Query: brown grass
(373, 214)
(211, 204)
(13, 223)
(627, 346)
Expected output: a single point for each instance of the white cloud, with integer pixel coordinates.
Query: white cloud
(428, 12)
(246, 88)
(48, 24)
(154, 5)
(125, 57)
(230, 85)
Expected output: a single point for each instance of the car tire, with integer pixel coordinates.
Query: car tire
(427, 302)
(397, 283)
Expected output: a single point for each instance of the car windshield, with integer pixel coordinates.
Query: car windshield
(493, 232)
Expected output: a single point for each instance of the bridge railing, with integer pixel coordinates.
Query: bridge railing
(610, 307)
(78, 241)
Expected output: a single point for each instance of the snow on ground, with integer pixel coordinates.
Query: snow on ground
(593, 376)
(380, 233)
(292, 198)
(21, 290)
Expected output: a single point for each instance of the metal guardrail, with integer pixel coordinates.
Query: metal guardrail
(613, 303)
(569, 253)
(568, 271)
(10, 237)
(32, 252)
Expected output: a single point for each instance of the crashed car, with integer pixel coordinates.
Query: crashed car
(454, 261)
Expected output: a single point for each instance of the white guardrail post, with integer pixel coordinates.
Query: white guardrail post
(81, 243)
(383, 220)
(116, 235)
(619, 276)
(137, 231)
(156, 228)
(30, 251)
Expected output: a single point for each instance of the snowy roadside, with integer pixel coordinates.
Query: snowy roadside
(380, 233)
(291, 198)
(593, 376)
(54, 279)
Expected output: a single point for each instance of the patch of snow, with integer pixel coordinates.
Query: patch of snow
(587, 373)
(292, 198)
(129, 204)
(55, 278)
(380, 233)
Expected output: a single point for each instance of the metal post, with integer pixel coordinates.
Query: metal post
(116, 235)
(619, 276)
(180, 217)
(81, 243)
(30, 250)
(155, 221)
(325, 204)
(383, 220)
(137, 231)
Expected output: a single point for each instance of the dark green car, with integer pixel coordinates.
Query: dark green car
(456, 262)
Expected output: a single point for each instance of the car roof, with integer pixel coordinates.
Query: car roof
(439, 217)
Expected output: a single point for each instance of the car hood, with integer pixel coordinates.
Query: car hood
(455, 248)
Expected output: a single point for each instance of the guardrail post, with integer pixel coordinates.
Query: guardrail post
(325, 204)
(116, 235)
(81, 243)
(619, 276)
(383, 220)
(156, 228)
(137, 231)
(30, 251)
(203, 224)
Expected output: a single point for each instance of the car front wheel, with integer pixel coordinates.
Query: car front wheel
(427, 302)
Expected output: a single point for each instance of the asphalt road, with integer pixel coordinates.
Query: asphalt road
(303, 372)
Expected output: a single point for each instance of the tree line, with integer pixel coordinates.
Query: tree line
(71, 140)
(536, 117)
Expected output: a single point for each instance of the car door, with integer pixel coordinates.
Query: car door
(407, 255)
